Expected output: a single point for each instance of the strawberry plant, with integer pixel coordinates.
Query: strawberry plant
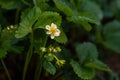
(58, 39)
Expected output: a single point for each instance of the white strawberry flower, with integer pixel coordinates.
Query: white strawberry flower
(52, 30)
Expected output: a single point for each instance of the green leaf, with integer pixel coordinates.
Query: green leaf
(114, 76)
(112, 35)
(62, 38)
(48, 66)
(11, 4)
(16, 49)
(3, 53)
(98, 65)
(39, 40)
(86, 52)
(86, 25)
(3, 20)
(22, 31)
(6, 39)
(49, 57)
(82, 72)
(92, 7)
(46, 18)
(84, 17)
(43, 5)
(64, 6)
(28, 18)
(115, 7)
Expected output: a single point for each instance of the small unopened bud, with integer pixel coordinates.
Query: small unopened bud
(58, 49)
(52, 49)
(43, 49)
(8, 28)
(60, 63)
(11, 26)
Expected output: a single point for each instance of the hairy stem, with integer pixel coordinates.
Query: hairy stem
(57, 76)
(7, 73)
(17, 16)
(26, 3)
(99, 39)
(40, 62)
(28, 57)
(34, 1)
(39, 68)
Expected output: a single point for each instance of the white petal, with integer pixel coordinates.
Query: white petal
(57, 33)
(48, 32)
(52, 37)
(58, 30)
(54, 25)
(47, 27)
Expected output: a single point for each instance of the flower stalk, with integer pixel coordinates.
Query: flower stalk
(29, 55)
(40, 62)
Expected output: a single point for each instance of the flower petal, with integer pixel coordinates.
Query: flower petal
(57, 33)
(52, 30)
(48, 32)
(54, 25)
(58, 30)
(52, 36)
(47, 27)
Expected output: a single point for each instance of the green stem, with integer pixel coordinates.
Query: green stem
(40, 63)
(39, 68)
(99, 39)
(26, 3)
(9, 77)
(57, 76)
(17, 15)
(28, 57)
(55, 57)
(34, 1)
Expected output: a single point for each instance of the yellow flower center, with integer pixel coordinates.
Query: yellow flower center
(53, 30)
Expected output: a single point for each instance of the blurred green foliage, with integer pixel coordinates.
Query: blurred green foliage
(89, 29)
